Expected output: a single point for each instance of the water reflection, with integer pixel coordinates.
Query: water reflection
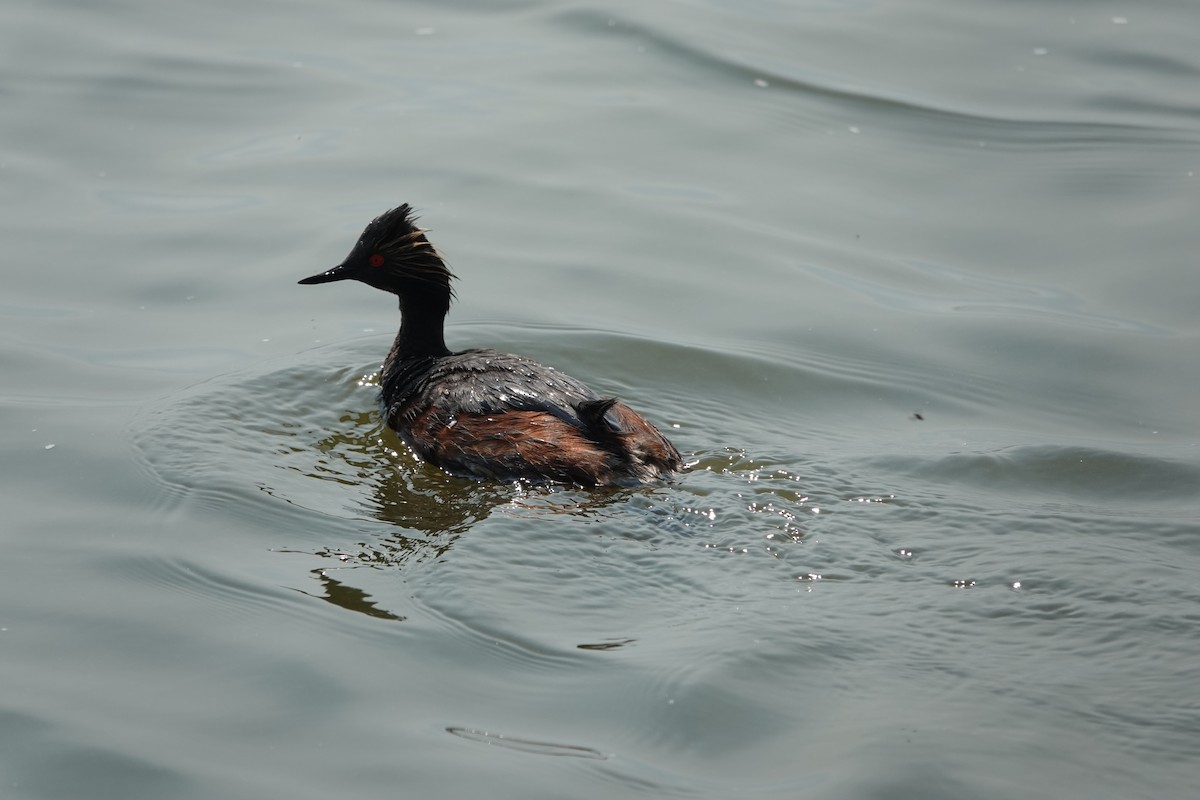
(359, 451)
(348, 597)
(301, 449)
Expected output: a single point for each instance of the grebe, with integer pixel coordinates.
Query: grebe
(483, 413)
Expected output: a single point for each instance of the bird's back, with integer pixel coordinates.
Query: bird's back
(489, 414)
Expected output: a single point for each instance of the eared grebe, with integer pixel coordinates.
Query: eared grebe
(482, 413)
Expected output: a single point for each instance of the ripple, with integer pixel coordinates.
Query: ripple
(308, 439)
(1084, 473)
(956, 291)
(526, 745)
(307, 436)
(694, 600)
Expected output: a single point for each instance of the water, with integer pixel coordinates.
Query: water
(912, 287)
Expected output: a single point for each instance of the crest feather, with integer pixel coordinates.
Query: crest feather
(395, 234)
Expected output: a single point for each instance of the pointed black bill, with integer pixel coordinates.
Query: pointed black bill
(339, 273)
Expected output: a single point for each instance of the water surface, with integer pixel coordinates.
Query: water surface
(912, 287)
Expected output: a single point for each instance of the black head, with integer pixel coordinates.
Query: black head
(393, 254)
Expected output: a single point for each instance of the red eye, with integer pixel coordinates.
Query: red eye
(376, 260)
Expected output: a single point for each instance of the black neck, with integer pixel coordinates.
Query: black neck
(421, 321)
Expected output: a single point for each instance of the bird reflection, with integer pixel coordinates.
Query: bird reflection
(426, 509)
(349, 598)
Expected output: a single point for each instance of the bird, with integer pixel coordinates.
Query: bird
(481, 413)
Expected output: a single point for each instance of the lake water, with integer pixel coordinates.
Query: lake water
(912, 285)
